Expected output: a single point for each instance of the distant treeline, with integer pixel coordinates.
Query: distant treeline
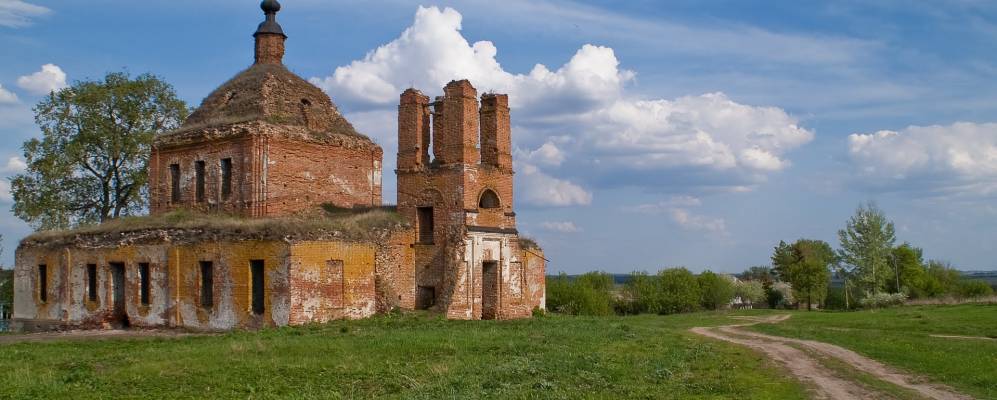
(990, 277)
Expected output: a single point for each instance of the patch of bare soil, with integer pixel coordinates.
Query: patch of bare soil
(825, 382)
(90, 335)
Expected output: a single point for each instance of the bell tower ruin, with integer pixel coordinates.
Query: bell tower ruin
(469, 260)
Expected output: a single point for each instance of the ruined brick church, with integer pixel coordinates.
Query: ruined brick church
(270, 148)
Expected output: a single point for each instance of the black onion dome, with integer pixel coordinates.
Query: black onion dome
(270, 8)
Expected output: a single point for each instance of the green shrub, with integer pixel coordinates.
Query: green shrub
(641, 294)
(716, 291)
(588, 294)
(974, 288)
(679, 291)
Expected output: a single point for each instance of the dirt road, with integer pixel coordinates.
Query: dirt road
(809, 361)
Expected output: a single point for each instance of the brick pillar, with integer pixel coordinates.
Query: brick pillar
(496, 141)
(457, 141)
(413, 130)
(269, 48)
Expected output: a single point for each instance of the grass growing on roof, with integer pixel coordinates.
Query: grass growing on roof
(325, 222)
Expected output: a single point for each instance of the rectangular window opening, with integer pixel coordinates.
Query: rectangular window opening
(92, 282)
(143, 275)
(425, 297)
(207, 283)
(257, 271)
(43, 283)
(425, 219)
(175, 183)
(199, 177)
(226, 178)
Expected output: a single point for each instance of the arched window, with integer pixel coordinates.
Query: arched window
(489, 200)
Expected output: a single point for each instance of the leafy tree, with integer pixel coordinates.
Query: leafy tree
(866, 243)
(941, 279)
(782, 259)
(759, 273)
(641, 294)
(6, 284)
(750, 291)
(907, 264)
(91, 163)
(679, 291)
(805, 265)
(974, 288)
(716, 290)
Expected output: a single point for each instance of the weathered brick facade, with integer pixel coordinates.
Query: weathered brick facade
(471, 263)
(267, 144)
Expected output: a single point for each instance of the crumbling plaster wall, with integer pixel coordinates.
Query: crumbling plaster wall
(294, 278)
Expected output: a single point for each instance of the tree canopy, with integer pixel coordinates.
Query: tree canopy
(805, 265)
(866, 245)
(91, 163)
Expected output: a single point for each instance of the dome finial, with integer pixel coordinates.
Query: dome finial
(270, 6)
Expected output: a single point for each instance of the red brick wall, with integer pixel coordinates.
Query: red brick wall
(271, 175)
(301, 175)
(243, 176)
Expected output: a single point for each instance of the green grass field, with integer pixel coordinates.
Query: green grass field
(423, 356)
(901, 337)
(407, 357)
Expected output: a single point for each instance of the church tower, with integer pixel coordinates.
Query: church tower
(266, 143)
(469, 261)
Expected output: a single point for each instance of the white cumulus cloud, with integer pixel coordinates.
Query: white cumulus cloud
(18, 14)
(547, 154)
(560, 226)
(50, 78)
(579, 118)
(15, 165)
(694, 222)
(540, 189)
(959, 159)
(677, 208)
(7, 97)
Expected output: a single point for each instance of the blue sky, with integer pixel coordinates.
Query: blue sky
(651, 134)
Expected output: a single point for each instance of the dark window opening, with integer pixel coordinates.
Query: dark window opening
(426, 297)
(336, 283)
(175, 183)
(143, 276)
(199, 176)
(489, 200)
(256, 269)
(226, 178)
(207, 283)
(92, 282)
(425, 225)
(43, 283)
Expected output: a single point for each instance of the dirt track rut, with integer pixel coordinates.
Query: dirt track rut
(799, 358)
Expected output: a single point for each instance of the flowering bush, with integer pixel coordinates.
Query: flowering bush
(882, 300)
